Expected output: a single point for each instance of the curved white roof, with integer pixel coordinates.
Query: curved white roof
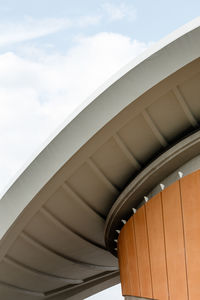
(52, 218)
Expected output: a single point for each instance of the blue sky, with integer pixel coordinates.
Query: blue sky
(55, 53)
(149, 14)
(142, 20)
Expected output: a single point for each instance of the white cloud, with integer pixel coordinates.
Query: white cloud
(30, 28)
(38, 93)
(119, 11)
(11, 33)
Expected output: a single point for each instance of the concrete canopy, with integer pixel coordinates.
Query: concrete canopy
(52, 219)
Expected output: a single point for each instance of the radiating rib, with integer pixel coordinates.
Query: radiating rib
(126, 151)
(47, 249)
(26, 268)
(90, 281)
(185, 107)
(64, 227)
(80, 200)
(154, 128)
(103, 177)
(22, 290)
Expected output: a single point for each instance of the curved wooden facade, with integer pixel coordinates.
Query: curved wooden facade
(159, 246)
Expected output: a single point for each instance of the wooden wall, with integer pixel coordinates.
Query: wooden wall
(159, 246)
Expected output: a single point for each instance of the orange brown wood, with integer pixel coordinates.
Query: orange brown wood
(174, 241)
(143, 254)
(190, 194)
(128, 258)
(159, 247)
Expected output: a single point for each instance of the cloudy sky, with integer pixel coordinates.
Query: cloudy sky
(55, 53)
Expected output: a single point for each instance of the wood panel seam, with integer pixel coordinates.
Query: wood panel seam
(185, 254)
(148, 250)
(136, 255)
(164, 238)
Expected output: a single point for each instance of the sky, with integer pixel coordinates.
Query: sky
(56, 53)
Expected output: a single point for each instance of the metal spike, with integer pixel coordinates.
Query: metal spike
(162, 186)
(116, 241)
(146, 199)
(134, 210)
(118, 231)
(123, 221)
(180, 174)
(115, 249)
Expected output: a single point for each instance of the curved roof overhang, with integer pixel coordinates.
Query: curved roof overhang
(53, 217)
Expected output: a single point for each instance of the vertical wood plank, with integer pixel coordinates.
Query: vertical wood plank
(123, 263)
(132, 258)
(174, 241)
(157, 248)
(143, 253)
(190, 195)
(128, 260)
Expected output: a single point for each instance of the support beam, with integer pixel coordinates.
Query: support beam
(81, 264)
(126, 152)
(113, 189)
(154, 129)
(185, 107)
